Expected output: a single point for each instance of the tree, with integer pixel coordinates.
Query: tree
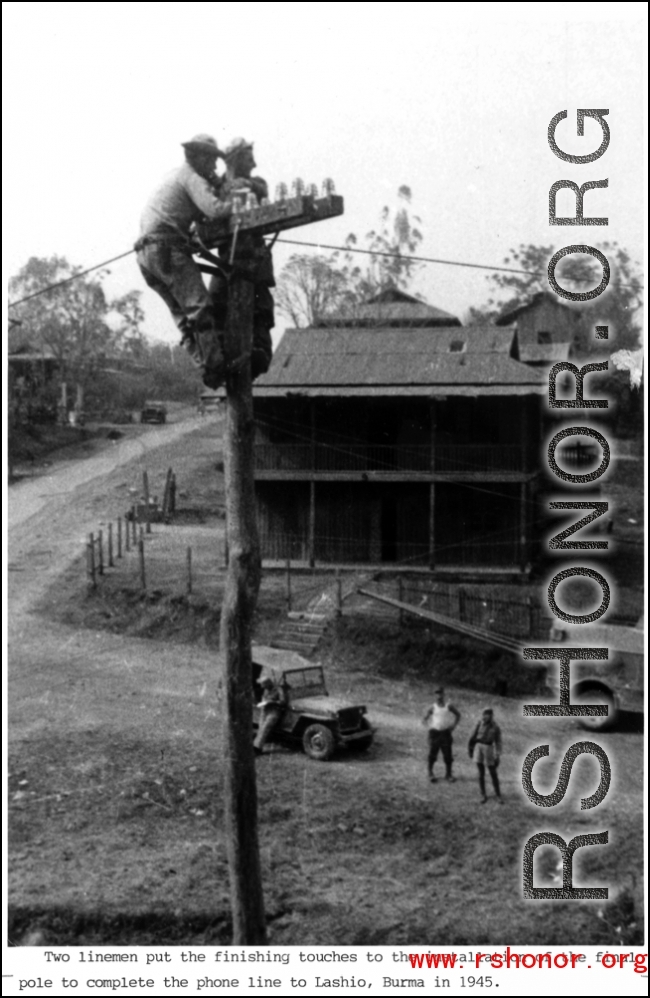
(311, 288)
(76, 321)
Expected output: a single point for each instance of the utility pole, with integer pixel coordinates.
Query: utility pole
(240, 597)
(242, 540)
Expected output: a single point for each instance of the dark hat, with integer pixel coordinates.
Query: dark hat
(236, 146)
(203, 142)
(267, 681)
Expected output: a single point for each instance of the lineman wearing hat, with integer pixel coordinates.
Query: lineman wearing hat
(240, 162)
(188, 194)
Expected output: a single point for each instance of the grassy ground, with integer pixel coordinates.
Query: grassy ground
(116, 826)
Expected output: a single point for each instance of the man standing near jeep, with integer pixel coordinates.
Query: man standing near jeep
(272, 704)
(442, 717)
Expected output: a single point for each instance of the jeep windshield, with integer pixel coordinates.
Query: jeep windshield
(305, 682)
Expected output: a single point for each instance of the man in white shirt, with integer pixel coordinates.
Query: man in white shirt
(188, 194)
(442, 717)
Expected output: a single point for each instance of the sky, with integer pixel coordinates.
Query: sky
(453, 100)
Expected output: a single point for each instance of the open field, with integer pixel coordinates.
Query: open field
(116, 831)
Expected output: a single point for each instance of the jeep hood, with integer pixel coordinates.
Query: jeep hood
(322, 705)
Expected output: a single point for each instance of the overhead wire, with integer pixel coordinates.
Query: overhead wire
(323, 246)
(68, 280)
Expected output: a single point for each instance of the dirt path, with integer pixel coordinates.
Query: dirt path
(49, 516)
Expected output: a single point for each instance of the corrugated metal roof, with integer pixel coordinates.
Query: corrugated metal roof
(390, 357)
(446, 340)
(391, 307)
(390, 391)
(506, 318)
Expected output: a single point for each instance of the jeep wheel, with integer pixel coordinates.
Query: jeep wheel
(596, 695)
(318, 742)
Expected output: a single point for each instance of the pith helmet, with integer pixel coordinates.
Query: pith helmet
(203, 142)
(236, 146)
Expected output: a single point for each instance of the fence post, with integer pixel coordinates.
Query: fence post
(134, 534)
(288, 578)
(143, 577)
(90, 559)
(100, 547)
(119, 537)
(111, 563)
(172, 494)
(166, 512)
(147, 509)
(189, 571)
(127, 534)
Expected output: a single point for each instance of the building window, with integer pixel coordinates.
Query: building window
(544, 336)
(457, 346)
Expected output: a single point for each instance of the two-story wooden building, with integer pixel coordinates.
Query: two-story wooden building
(410, 444)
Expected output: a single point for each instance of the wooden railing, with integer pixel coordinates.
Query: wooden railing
(447, 458)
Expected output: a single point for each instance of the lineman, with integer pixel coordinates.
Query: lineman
(240, 162)
(188, 194)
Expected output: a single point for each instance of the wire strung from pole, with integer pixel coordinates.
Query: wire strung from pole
(428, 259)
(327, 246)
(67, 280)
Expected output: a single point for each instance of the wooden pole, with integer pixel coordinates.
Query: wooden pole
(134, 528)
(240, 597)
(189, 571)
(312, 523)
(172, 494)
(166, 512)
(91, 560)
(289, 585)
(127, 534)
(143, 576)
(147, 508)
(100, 551)
(111, 562)
(523, 545)
(119, 537)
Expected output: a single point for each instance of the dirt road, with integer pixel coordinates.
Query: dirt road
(49, 515)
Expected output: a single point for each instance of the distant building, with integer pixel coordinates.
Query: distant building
(545, 329)
(401, 441)
(392, 308)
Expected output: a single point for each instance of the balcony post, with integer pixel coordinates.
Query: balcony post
(312, 522)
(522, 526)
(432, 487)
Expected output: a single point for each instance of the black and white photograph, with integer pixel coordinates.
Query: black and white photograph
(324, 497)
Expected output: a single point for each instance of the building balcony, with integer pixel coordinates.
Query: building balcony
(392, 461)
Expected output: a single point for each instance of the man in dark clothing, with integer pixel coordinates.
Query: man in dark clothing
(486, 739)
(238, 183)
(272, 704)
(188, 194)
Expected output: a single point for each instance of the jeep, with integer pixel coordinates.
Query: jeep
(313, 719)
